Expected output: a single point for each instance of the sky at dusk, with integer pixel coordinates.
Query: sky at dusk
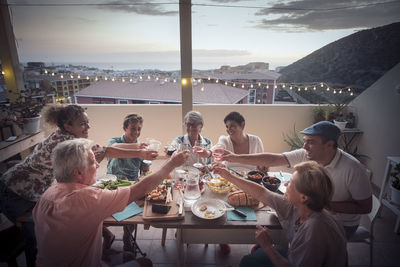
(132, 35)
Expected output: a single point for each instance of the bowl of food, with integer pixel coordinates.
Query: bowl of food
(219, 185)
(255, 176)
(271, 183)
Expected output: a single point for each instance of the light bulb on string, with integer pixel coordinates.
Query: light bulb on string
(130, 79)
(276, 86)
(291, 87)
(52, 74)
(305, 88)
(251, 85)
(72, 76)
(299, 89)
(226, 83)
(156, 78)
(327, 89)
(199, 80)
(334, 91)
(202, 89)
(209, 78)
(123, 80)
(267, 86)
(351, 93)
(216, 81)
(234, 84)
(242, 85)
(283, 85)
(96, 79)
(322, 85)
(87, 77)
(79, 76)
(340, 91)
(314, 88)
(348, 89)
(62, 76)
(45, 71)
(113, 79)
(174, 80)
(259, 84)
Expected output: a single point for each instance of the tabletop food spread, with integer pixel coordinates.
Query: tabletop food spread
(165, 202)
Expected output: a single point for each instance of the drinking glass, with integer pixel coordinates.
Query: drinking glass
(199, 147)
(154, 145)
(192, 189)
(218, 152)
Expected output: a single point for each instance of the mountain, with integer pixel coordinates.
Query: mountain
(356, 61)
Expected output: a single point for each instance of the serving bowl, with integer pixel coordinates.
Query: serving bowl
(271, 183)
(255, 176)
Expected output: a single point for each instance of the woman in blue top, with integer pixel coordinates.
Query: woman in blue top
(127, 168)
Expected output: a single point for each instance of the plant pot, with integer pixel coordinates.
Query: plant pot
(340, 124)
(31, 125)
(395, 195)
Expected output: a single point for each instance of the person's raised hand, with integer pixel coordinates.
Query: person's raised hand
(149, 154)
(178, 158)
(262, 237)
(220, 168)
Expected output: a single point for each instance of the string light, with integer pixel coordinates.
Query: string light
(242, 85)
(184, 81)
(226, 83)
(267, 86)
(251, 85)
(113, 79)
(79, 76)
(259, 84)
(216, 81)
(305, 88)
(45, 71)
(283, 85)
(202, 89)
(148, 77)
(123, 80)
(322, 85)
(105, 78)
(96, 79)
(130, 79)
(62, 76)
(209, 78)
(156, 78)
(315, 88)
(234, 84)
(87, 77)
(52, 74)
(291, 87)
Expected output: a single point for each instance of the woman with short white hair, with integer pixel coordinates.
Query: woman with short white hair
(69, 216)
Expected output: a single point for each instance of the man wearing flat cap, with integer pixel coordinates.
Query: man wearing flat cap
(352, 195)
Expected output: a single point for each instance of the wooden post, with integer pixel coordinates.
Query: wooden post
(185, 24)
(9, 54)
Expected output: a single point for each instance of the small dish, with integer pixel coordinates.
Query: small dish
(208, 209)
(255, 176)
(271, 183)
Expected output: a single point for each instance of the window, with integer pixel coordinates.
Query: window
(252, 96)
(122, 101)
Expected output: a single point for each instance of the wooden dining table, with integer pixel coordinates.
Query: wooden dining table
(195, 230)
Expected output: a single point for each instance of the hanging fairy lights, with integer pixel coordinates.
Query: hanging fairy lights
(243, 84)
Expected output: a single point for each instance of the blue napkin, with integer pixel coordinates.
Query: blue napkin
(251, 215)
(129, 211)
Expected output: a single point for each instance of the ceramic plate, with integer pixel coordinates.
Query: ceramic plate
(214, 209)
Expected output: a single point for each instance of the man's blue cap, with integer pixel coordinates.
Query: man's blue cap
(323, 128)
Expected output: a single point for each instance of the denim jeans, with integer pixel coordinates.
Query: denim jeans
(13, 206)
(259, 259)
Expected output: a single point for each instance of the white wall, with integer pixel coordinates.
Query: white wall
(378, 109)
(163, 122)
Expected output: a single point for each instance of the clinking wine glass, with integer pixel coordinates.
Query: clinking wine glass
(218, 152)
(198, 148)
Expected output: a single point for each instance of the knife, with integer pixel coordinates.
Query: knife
(238, 173)
(180, 204)
(235, 210)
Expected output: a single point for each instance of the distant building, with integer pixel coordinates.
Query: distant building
(258, 84)
(65, 85)
(157, 92)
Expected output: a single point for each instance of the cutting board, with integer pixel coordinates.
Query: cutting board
(171, 215)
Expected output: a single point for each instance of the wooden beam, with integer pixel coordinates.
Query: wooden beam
(9, 54)
(185, 24)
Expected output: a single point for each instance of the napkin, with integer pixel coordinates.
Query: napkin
(129, 211)
(251, 215)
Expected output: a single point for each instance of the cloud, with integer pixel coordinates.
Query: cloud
(138, 7)
(319, 15)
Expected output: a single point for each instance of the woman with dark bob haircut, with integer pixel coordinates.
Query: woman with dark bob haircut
(315, 237)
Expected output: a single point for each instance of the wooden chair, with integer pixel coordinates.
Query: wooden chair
(365, 234)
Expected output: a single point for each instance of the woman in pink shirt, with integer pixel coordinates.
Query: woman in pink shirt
(64, 238)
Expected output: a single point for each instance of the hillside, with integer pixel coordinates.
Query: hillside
(357, 60)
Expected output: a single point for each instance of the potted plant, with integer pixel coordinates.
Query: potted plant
(340, 122)
(395, 188)
(293, 139)
(25, 110)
